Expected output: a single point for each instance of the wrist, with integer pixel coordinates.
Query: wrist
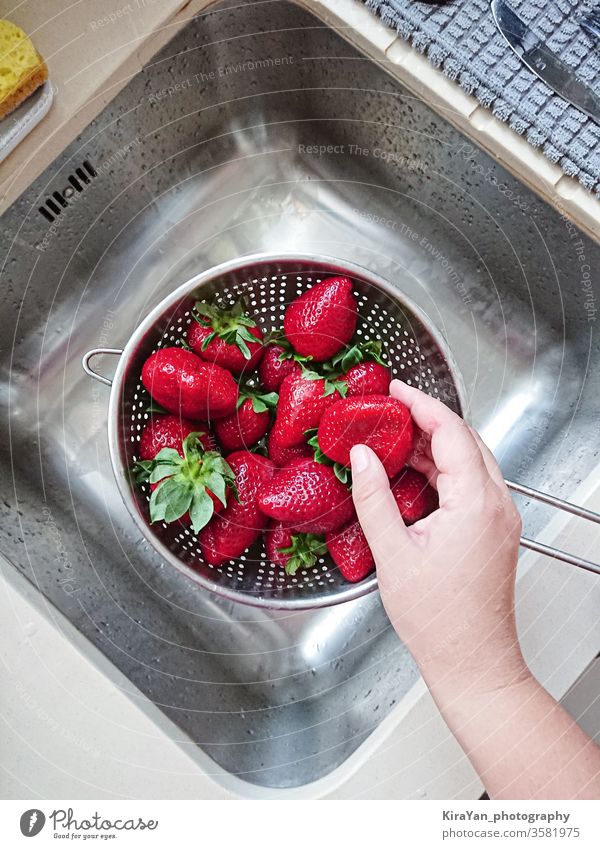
(474, 671)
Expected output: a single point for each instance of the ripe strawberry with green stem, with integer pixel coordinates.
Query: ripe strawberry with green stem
(350, 552)
(362, 368)
(227, 337)
(302, 401)
(308, 496)
(186, 386)
(379, 421)
(322, 320)
(193, 481)
(250, 421)
(293, 550)
(241, 523)
(278, 361)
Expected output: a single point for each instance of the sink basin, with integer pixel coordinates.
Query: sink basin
(260, 129)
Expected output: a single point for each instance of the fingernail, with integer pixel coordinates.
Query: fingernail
(359, 457)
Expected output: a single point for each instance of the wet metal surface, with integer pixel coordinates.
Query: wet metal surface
(260, 129)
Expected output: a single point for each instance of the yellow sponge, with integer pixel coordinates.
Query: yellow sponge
(22, 69)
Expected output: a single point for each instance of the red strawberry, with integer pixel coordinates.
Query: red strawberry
(228, 338)
(249, 423)
(379, 421)
(350, 552)
(241, 523)
(302, 402)
(367, 378)
(187, 483)
(281, 456)
(308, 496)
(414, 496)
(273, 368)
(291, 549)
(322, 320)
(169, 432)
(186, 386)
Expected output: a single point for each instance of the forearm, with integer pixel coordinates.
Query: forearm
(521, 742)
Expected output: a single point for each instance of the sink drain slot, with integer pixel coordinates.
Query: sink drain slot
(77, 182)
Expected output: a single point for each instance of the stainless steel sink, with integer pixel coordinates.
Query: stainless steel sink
(260, 129)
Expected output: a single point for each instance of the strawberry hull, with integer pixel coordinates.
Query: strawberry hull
(222, 353)
(292, 550)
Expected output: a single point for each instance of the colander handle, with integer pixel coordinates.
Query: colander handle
(566, 507)
(96, 352)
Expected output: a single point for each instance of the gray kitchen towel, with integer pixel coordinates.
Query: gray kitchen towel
(461, 39)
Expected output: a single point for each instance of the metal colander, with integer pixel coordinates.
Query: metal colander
(417, 354)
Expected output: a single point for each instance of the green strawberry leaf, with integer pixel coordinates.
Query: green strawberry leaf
(332, 386)
(142, 469)
(216, 484)
(242, 336)
(239, 341)
(319, 455)
(304, 552)
(276, 337)
(259, 406)
(170, 500)
(168, 455)
(201, 509)
(227, 323)
(217, 475)
(188, 478)
(358, 353)
(342, 473)
(204, 310)
(164, 470)
(260, 402)
(192, 447)
(207, 340)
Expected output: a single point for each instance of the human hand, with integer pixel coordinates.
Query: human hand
(446, 582)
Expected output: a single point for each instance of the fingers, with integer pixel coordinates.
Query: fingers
(424, 465)
(454, 450)
(376, 507)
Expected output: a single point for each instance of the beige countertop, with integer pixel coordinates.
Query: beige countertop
(92, 48)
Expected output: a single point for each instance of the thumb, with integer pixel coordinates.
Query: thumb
(376, 507)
